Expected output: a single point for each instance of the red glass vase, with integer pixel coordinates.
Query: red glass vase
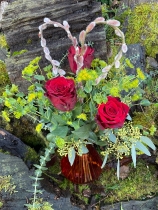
(85, 168)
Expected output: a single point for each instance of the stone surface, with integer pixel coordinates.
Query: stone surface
(22, 18)
(151, 204)
(136, 54)
(14, 166)
(3, 54)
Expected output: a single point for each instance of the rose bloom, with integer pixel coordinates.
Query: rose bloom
(62, 93)
(112, 114)
(87, 58)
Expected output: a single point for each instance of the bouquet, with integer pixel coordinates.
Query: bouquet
(86, 108)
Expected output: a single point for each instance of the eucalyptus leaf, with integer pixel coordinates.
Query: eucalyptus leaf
(145, 102)
(71, 155)
(118, 169)
(112, 137)
(148, 142)
(133, 152)
(128, 117)
(142, 148)
(83, 149)
(105, 160)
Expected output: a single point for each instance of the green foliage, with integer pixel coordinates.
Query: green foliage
(140, 182)
(31, 155)
(142, 27)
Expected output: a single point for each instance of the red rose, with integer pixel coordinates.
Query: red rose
(112, 114)
(62, 93)
(87, 58)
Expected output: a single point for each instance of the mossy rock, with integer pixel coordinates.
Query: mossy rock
(141, 183)
(25, 130)
(142, 27)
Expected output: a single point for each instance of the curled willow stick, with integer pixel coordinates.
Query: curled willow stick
(79, 53)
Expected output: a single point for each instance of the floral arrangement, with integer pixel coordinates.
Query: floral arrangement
(87, 109)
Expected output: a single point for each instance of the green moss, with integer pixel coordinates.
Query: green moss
(142, 27)
(1, 204)
(146, 118)
(4, 79)
(140, 183)
(3, 42)
(31, 155)
(6, 184)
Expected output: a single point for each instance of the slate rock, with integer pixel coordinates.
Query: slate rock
(136, 54)
(20, 23)
(151, 204)
(14, 166)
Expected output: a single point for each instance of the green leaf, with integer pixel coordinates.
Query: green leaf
(59, 119)
(92, 108)
(148, 142)
(105, 160)
(112, 137)
(133, 152)
(93, 136)
(142, 148)
(71, 155)
(48, 114)
(61, 131)
(77, 110)
(82, 132)
(88, 86)
(39, 77)
(20, 94)
(145, 102)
